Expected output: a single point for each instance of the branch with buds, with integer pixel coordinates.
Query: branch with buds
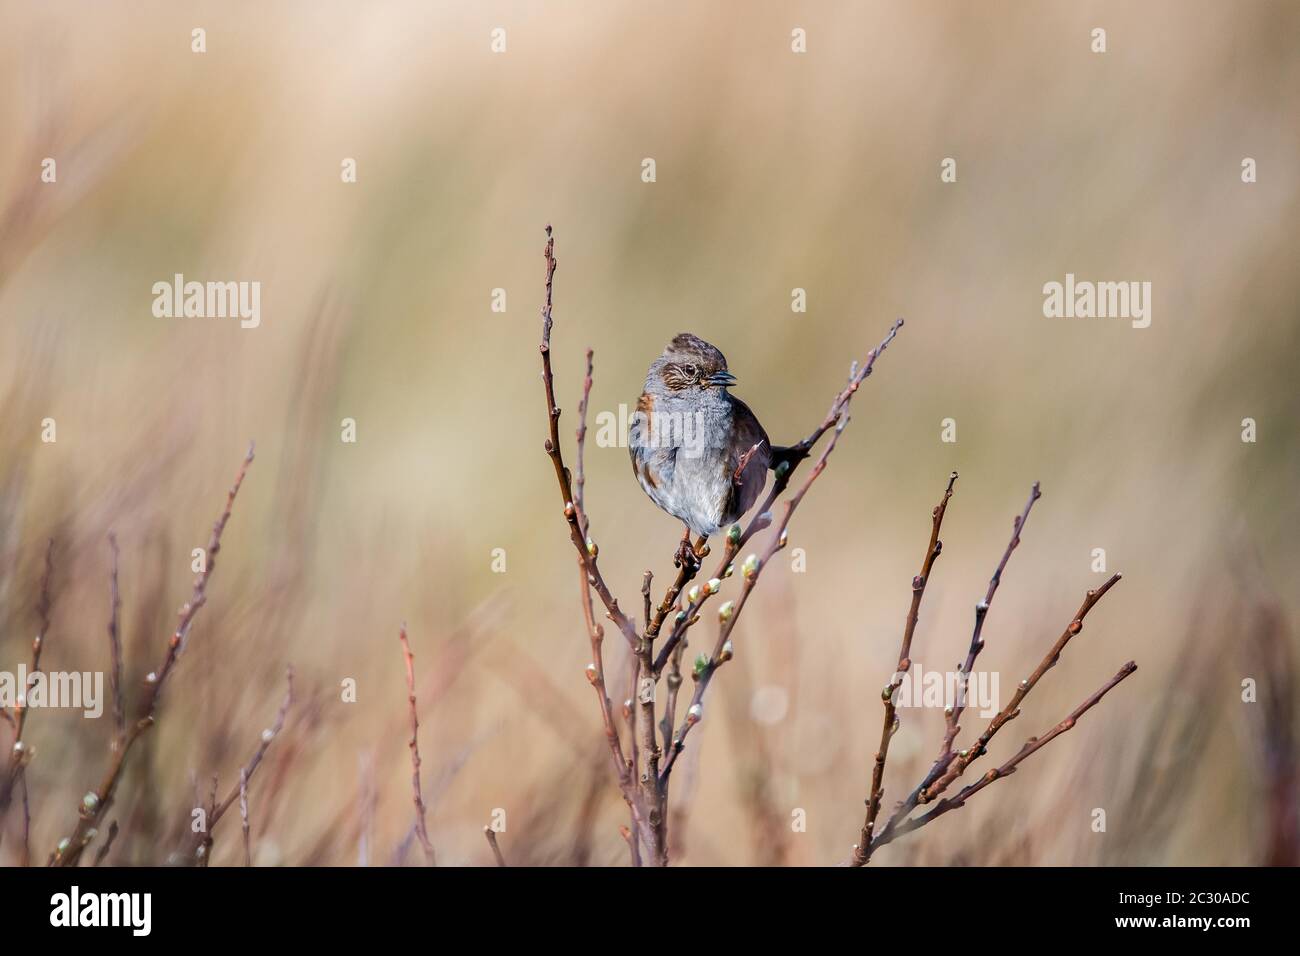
(642, 780)
(201, 850)
(97, 801)
(950, 764)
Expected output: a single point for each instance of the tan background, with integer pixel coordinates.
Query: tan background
(774, 171)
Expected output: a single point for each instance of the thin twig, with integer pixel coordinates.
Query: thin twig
(102, 852)
(43, 605)
(981, 613)
(115, 647)
(246, 772)
(25, 859)
(96, 802)
(20, 753)
(579, 530)
(953, 714)
(951, 765)
(890, 725)
(492, 842)
(1012, 710)
(243, 816)
(587, 550)
(421, 831)
(1031, 746)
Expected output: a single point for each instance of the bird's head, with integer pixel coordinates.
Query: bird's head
(691, 364)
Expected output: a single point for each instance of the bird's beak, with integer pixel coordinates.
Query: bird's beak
(721, 379)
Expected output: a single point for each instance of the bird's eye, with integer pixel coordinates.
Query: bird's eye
(689, 370)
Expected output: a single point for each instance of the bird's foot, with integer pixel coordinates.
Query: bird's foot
(685, 556)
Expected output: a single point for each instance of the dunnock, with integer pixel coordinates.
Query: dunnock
(697, 450)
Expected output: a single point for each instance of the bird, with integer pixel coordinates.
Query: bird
(697, 450)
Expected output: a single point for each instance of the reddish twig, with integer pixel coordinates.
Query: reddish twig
(890, 726)
(19, 752)
(951, 765)
(953, 714)
(421, 830)
(25, 857)
(586, 548)
(743, 462)
(492, 842)
(243, 816)
(1031, 746)
(981, 612)
(239, 790)
(96, 802)
(115, 647)
(1012, 710)
(103, 851)
(43, 605)
(623, 769)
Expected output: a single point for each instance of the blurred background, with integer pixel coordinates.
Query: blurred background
(774, 171)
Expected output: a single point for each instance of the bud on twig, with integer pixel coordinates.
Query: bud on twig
(701, 665)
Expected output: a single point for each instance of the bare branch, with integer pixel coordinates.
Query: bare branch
(238, 791)
(950, 766)
(586, 548)
(20, 753)
(890, 726)
(953, 715)
(115, 648)
(1031, 746)
(421, 831)
(492, 842)
(96, 802)
(1012, 710)
(243, 815)
(103, 851)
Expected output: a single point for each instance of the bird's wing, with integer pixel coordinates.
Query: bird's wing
(746, 487)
